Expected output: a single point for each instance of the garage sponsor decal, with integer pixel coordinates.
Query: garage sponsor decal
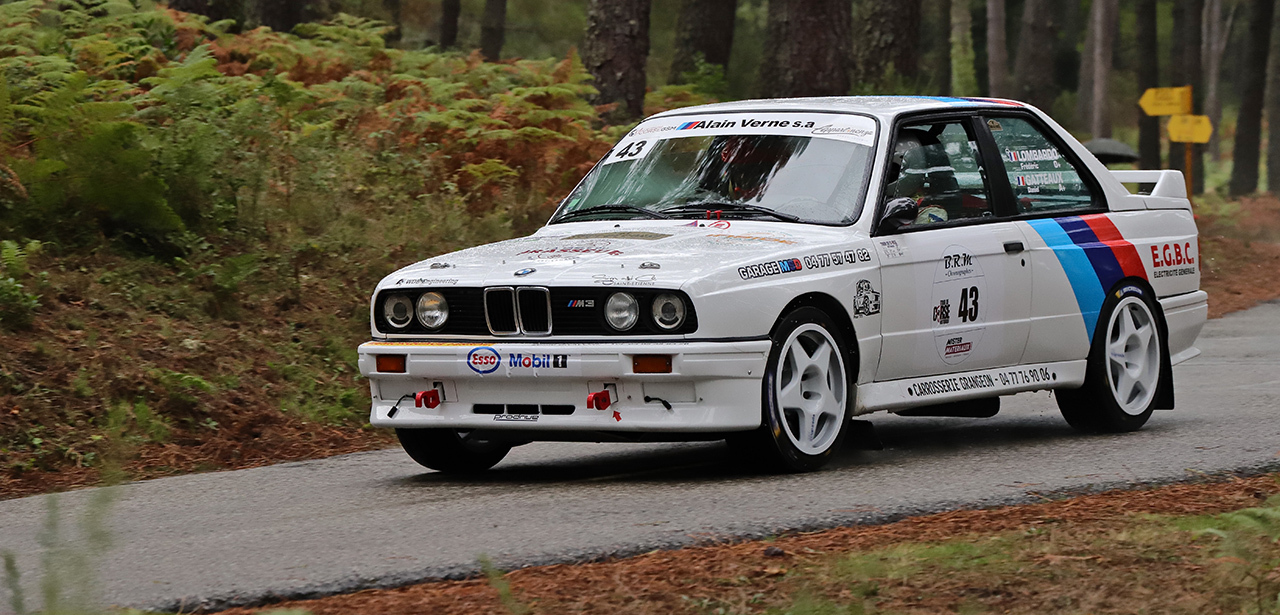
(1094, 255)
(866, 301)
(1172, 260)
(992, 380)
(789, 265)
(957, 309)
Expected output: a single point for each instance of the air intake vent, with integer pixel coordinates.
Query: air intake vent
(535, 310)
(500, 311)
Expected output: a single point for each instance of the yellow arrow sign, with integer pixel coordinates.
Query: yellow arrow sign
(1190, 128)
(1166, 101)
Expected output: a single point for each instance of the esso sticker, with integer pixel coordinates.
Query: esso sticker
(484, 360)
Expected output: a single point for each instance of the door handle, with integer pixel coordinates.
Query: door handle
(1013, 247)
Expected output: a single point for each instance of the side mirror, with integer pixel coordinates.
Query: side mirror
(898, 213)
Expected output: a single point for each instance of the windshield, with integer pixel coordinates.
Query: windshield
(804, 167)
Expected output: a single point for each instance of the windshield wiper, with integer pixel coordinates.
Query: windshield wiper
(740, 207)
(615, 208)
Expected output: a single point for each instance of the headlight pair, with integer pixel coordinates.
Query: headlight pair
(622, 311)
(432, 310)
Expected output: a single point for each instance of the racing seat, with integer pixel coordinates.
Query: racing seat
(922, 170)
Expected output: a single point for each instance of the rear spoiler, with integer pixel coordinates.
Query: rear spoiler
(1167, 183)
(1164, 189)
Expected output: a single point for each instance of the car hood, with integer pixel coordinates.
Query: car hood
(659, 253)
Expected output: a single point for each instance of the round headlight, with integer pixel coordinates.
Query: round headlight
(433, 310)
(622, 311)
(398, 310)
(668, 311)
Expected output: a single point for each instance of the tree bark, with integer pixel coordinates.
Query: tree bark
(215, 10)
(886, 33)
(393, 7)
(493, 28)
(807, 48)
(1103, 20)
(1187, 71)
(964, 79)
(614, 51)
(997, 50)
(1244, 170)
(283, 15)
(1032, 67)
(450, 10)
(705, 28)
(1273, 108)
(1217, 32)
(1148, 77)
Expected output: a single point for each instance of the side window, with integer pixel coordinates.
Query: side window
(938, 166)
(1043, 180)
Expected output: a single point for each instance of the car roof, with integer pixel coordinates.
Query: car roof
(886, 107)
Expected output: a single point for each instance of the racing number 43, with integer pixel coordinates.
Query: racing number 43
(968, 311)
(632, 150)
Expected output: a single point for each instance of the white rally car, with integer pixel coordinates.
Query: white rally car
(763, 271)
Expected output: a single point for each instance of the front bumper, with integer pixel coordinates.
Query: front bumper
(712, 387)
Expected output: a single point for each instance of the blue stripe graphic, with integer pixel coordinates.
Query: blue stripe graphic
(1105, 264)
(950, 99)
(1079, 269)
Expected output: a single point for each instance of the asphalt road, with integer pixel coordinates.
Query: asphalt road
(377, 519)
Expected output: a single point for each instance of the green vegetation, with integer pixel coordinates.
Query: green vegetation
(192, 219)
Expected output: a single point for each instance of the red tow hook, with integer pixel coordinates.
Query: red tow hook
(429, 398)
(598, 400)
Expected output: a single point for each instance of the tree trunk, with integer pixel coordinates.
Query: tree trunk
(1273, 109)
(1105, 13)
(450, 10)
(1217, 32)
(493, 29)
(215, 10)
(705, 28)
(1084, 89)
(886, 33)
(283, 15)
(997, 50)
(614, 51)
(1032, 67)
(1187, 71)
(1148, 77)
(964, 79)
(807, 48)
(1244, 171)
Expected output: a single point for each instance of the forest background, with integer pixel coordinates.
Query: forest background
(196, 198)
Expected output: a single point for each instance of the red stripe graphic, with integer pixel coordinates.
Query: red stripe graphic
(1109, 235)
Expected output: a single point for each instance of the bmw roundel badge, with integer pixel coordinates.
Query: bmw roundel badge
(525, 272)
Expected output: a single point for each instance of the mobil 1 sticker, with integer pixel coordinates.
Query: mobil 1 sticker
(958, 309)
(496, 361)
(644, 138)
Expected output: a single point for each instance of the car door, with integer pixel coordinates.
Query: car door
(956, 284)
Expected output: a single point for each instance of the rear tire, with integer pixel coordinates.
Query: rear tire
(1125, 368)
(806, 395)
(448, 450)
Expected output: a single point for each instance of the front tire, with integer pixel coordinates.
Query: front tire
(806, 395)
(448, 450)
(1125, 368)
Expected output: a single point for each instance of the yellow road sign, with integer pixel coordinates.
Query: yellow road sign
(1190, 128)
(1166, 101)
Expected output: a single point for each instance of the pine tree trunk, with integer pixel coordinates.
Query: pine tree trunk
(807, 48)
(1273, 108)
(886, 33)
(997, 50)
(450, 10)
(493, 29)
(1187, 71)
(1032, 71)
(1244, 170)
(614, 51)
(964, 78)
(215, 10)
(705, 28)
(283, 15)
(1104, 19)
(1084, 91)
(393, 7)
(1148, 77)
